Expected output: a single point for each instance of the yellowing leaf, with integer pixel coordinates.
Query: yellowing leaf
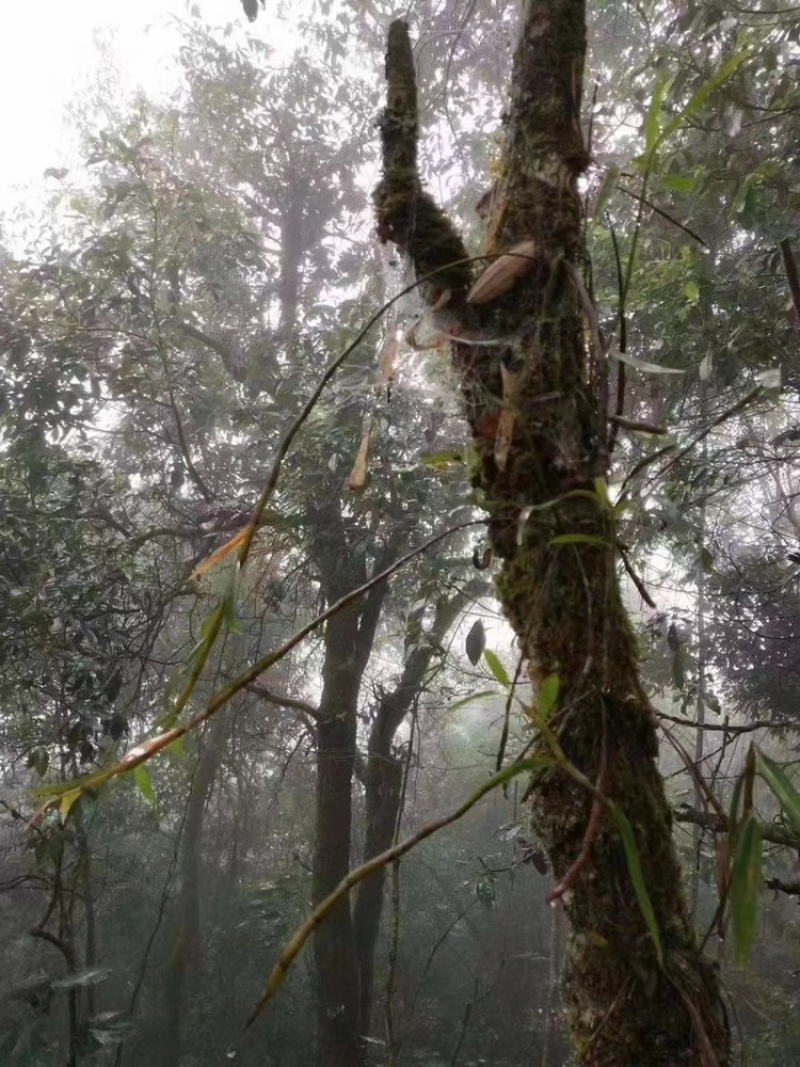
(358, 475)
(221, 553)
(66, 802)
(502, 275)
(388, 358)
(504, 437)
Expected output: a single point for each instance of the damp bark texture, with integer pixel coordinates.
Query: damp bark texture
(535, 404)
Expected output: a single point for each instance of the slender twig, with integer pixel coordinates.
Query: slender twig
(664, 214)
(790, 266)
(753, 394)
(145, 751)
(501, 748)
(634, 577)
(592, 830)
(298, 940)
(747, 728)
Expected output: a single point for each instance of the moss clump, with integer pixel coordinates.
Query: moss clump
(406, 214)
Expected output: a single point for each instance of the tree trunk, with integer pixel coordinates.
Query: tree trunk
(183, 954)
(536, 405)
(349, 637)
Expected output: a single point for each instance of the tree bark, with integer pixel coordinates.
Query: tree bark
(536, 405)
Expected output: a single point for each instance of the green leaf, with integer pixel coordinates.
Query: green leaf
(678, 183)
(680, 661)
(177, 747)
(781, 788)
(144, 784)
(497, 668)
(745, 887)
(39, 760)
(700, 97)
(637, 878)
(472, 698)
(475, 642)
(547, 697)
(692, 292)
(601, 489)
(733, 810)
(229, 610)
(645, 367)
(652, 127)
(441, 460)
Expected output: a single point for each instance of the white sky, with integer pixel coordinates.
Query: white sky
(48, 56)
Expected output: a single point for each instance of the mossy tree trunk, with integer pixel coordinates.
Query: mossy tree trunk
(536, 405)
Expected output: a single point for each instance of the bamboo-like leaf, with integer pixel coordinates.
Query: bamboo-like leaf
(643, 366)
(440, 460)
(388, 358)
(699, 98)
(733, 810)
(145, 785)
(722, 864)
(637, 878)
(504, 437)
(601, 491)
(745, 886)
(781, 788)
(358, 475)
(472, 698)
(497, 668)
(220, 554)
(66, 802)
(652, 126)
(547, 697)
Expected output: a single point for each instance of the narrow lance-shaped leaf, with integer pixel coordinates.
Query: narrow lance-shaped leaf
(745, 886)
(497, 668)
(780, 786)
(547, 697)
(637, 878)
(144, 784)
